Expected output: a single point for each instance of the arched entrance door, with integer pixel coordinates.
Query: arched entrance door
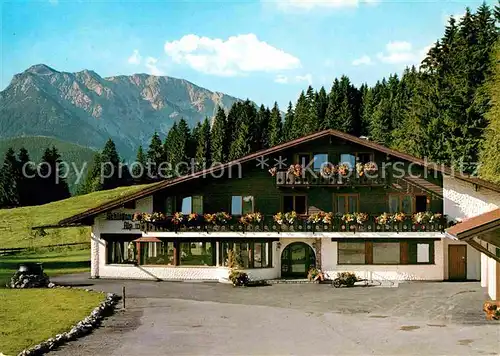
(296, 259)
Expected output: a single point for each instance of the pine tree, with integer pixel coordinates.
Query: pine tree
(380, 125)
(263, 119)
(202, 157)
(155, 155)
(249, 117)
(332, 110)
(490, 155)
(321, 101)
(275, 126)
(9, 192)
(311, 115)
(300, 118)
(93, 182)
(112, 172)
(218, 137)
(139, 170)
(241, 146)
(27, 184)
(288, 125)
(52, 184)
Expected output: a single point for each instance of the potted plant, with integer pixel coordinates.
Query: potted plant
(237, 277)
(370, 168)
(251, 219)
(383, 219)
(295, 170)
(361, 218)
(177, 218)
(328, 170)
(210, 219)
(343, 170)
(222, 218)
(279, 218)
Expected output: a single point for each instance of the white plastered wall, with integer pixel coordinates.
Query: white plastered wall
(432, 272)
(461, 201)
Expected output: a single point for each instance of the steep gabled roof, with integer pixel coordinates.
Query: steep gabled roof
(326, 133)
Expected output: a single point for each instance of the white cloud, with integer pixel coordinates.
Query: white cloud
(311, 4)
(237, 55)
(304, 78)
(364, 60)
(151, 64)
(398, 52)
(398, 46)
(135, 58)
(282, 79)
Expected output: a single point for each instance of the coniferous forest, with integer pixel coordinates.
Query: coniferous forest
(447, 109)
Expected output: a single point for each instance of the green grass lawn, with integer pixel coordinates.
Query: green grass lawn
(63, 261)
(16, 224)
(30, 316)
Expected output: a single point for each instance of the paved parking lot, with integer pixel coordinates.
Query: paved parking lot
(169, 318)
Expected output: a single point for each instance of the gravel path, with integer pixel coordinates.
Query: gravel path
(165, 318)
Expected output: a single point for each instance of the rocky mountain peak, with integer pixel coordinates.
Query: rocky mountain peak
(87, 109)
(41, 69)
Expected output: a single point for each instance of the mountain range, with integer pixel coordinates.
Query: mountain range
(86, 109)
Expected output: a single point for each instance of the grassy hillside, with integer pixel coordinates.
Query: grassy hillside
(36, 145)
(16, 224)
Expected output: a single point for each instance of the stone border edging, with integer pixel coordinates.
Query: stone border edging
(82, 328)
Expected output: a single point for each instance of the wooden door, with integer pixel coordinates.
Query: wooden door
(296, 259)
(457, 262)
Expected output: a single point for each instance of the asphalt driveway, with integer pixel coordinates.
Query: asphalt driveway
(176, 318)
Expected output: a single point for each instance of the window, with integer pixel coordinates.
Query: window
(420, 252)
(420, 203)
(347, 203)
(241, 205)
(297, 203)
(197, 253)
(192, 204)
(385, 253)
(157, 253)
(260, 255)
(121, 252)
(400, 203)
(348, 159)
(364, 157)
(256, 254)
(351, 253)
(319, 160)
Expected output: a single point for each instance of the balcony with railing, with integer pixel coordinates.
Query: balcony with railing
(286, 178)
(268, 224)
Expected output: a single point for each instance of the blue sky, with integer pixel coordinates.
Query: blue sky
(263, 50)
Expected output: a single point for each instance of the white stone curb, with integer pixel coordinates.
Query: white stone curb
(82, 328)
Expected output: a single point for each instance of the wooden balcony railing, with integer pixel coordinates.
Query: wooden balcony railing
(284, 178)
(267, 224)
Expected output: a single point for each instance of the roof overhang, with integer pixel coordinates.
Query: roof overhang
(479, 232)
